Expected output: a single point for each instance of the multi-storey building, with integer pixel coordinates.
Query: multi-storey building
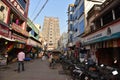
(103, 37)
(33, 44)
(79, 23)
(70, 24)
(13, 21)
(51, 32)
(79, 20)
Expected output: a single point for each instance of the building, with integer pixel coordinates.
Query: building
(34, 45)
(51, 32)
(77, 24)
(70, 25)
(103, 37)
(13, 21)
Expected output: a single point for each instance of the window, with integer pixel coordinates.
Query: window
(71, 37)
(81, 10)
(70, 27)
(75, 27)
(50, 44)
(22, 3)
(28, 29)
(107, 18)
(32, 32)
(97, 24)
(70, 16)
(35, 34)
(81, 25)
(117, 12)
(76, 30)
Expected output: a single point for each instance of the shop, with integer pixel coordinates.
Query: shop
(14, 47)
(105, 45)
(34, 48)
(5, 47)
(5, 43)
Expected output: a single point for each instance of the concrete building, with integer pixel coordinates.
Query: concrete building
(13, 22)
(79, 22)
(103, 36)
(51, 32)
(34, 46)
(70, 24)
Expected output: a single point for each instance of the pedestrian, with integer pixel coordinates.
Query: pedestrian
(6, 56)
(51, 60)
(21, 57)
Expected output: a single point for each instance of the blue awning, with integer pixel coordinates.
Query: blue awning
(113, 36)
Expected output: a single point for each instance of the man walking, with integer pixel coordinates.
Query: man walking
(21, 57)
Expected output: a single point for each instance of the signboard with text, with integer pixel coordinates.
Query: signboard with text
(19, 38)
(4, 31)
(109, 32)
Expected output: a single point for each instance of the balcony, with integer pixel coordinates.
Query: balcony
(19, 29)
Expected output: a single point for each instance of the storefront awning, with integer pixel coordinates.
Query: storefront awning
(18, 41)
(113, 36)
(8, 39)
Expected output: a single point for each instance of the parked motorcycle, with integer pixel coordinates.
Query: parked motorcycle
(78, 72)
(109, 73)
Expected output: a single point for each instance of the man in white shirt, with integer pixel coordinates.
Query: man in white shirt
(21, 57)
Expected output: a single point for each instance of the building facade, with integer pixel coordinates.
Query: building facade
(51, 32)
(103, 35)
(13, 21)
(79, 23)
(70, 25)
(34, 46)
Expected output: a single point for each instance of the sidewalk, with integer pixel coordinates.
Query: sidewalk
(36, 70)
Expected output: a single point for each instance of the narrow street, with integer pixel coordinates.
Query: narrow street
(35, 70)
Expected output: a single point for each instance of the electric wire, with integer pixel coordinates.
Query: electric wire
(40, 10)
(35, 8)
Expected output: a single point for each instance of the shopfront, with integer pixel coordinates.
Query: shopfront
(5, 42)
(15, 46)
(34, 47)
(105, 44)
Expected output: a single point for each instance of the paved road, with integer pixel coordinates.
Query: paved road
(36, 70)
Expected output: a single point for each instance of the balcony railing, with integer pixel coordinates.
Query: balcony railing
(19, 29)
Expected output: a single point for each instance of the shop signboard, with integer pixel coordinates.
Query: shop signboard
(110, 32)
(19, 29)
(4, 31)
(32, 42)
(19, 38)
(16, 5)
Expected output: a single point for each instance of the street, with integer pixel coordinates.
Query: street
(34, 70)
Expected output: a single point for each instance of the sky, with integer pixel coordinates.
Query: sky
(54, 8)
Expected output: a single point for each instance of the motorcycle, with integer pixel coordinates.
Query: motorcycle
(110, 73)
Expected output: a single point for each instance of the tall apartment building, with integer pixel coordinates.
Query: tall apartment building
(51, 32)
